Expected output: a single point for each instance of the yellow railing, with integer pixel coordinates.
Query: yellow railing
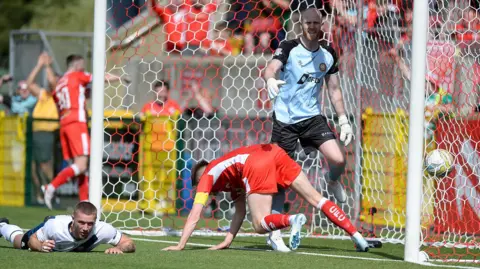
(385, 150)
(385, 166)
(157, 165)
(12, 159)
(157, 160)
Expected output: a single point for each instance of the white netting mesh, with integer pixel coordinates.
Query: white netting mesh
(223, 106)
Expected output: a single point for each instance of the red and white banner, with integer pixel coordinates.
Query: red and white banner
(458, 195)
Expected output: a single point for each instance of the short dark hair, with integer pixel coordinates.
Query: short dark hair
(73, 58)
(86, 208)
(195, 169)
(161, 83)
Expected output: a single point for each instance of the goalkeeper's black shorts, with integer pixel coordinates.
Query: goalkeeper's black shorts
(311, 132)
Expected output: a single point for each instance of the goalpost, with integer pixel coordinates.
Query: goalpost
(140, 164)
(416, 130)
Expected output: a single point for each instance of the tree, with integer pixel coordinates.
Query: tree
(52, 15)
(15, 15)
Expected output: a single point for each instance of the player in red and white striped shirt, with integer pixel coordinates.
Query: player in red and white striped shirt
(70, 95)
(254, 172)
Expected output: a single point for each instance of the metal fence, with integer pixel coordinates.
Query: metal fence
(26, 46)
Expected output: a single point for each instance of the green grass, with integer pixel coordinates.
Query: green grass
(247, 253)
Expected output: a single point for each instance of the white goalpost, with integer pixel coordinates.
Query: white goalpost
(416, 131)
(98, 92)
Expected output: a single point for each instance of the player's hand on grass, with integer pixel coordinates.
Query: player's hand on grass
(48, 246)
(173, 248)
(113, 251)
(223, 245)
(346, 133)
(273, 87)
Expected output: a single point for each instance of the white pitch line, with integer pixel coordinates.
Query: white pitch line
(305, 253)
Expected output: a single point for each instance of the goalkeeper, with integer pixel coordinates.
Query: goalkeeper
(303, 65)
(254, 172)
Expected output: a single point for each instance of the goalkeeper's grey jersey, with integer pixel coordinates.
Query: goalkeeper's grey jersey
(304, 72)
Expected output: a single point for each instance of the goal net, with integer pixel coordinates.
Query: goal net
(212, 55)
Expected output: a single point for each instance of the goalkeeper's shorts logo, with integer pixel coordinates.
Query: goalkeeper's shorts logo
(309, 78)
(337, 214)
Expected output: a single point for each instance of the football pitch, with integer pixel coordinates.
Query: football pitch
(246, 253)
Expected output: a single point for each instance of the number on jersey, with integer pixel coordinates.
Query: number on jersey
(63, 98)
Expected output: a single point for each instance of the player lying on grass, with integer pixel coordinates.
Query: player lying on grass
(254, 172)
(80, 232)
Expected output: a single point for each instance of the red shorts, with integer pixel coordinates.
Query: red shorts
(75, 140)
(268, 167)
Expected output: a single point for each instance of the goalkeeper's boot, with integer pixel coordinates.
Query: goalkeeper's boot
(275, 240)
(360, 243)
(335, 187)
(3, 221)
(296, 228)
(48, 192)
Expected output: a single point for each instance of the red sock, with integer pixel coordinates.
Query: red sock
(275, 222)
(336, 215)
(65, 175)
(83, 187)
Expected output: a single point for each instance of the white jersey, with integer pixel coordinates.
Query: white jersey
(58, 230)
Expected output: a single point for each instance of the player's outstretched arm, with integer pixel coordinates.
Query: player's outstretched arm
(237, 220)
(31, 85)
(336, 98)
(36, 245)
(125, 245)
(192, 221)
(273, 85)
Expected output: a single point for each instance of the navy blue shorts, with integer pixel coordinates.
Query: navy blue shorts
(31, 232)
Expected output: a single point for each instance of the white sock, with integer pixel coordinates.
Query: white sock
(50, 188)
(357, 235)
(10, 232)
(291, 219)
(321, 203)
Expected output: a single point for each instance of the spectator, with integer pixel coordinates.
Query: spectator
(468, 38)
(174, 26)
(21, 103)
(219, 44)
(198, 19)
(43, 131)
(238, 14)
(164, 106)
(438, 102)
(266, 30)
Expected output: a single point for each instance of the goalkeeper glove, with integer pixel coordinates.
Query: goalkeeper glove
(273, 87)
(346, 133)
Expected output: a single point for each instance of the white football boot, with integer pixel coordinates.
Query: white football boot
(296, 228)
(275, 240)
(48, 193)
